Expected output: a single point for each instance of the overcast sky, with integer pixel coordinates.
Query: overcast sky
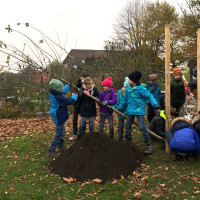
(85, 24)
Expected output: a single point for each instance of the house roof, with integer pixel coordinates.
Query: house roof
(78, 56)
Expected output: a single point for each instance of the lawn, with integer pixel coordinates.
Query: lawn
(25, 172)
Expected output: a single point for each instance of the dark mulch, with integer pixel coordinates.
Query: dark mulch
(96, 155)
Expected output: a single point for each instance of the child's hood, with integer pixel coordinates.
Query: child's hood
(138, 87)
(181, 122)
(55, 92)
(150, 84)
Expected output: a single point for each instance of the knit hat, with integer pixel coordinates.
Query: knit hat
(56, 84)
(135, 76)
(126, 82)
(107, 82)
(153, 77)
(176, 71)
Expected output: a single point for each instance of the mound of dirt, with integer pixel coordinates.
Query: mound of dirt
(96, 155)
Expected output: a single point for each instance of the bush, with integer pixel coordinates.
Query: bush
(8, 110)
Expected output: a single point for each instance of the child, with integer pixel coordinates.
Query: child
(107, 97)
(196, 122)
(87, 105)
(154, 89)
(76, 110)
(157, 124)
(183, 139)
(59, 113)
(177, 91)
(192, 64)
(121, 119)
(135, 99)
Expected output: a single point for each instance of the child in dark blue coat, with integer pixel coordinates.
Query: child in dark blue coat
(154, 89)
(59, 113)
(183, 139)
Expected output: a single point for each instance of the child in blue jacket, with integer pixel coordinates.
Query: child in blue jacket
(183, 139)
(59, 113)
(135, 99)
(154, 89)
(121, 119)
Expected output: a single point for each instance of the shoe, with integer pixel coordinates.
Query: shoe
(73, 137)
(174, 157)
(149, 149)
(53, 154)
(79, 137)
(62, 149)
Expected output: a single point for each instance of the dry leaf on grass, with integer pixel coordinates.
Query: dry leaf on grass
(69, 180)
(96, 180)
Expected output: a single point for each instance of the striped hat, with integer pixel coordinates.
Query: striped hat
(176, 71)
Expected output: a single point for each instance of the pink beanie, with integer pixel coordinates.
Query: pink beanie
(107, 82)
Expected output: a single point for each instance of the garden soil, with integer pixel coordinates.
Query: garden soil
(96, 155)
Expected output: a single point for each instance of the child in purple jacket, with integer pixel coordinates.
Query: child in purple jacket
(107, 97)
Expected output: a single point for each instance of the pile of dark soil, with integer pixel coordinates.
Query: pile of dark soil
(96, 155)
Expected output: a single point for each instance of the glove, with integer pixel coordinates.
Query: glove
(102, 103)
(75, 94)
(80, 93)
(157, 111)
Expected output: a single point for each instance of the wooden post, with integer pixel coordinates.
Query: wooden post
(198, 69)
(167, 83)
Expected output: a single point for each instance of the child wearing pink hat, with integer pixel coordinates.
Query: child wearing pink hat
(107, 97)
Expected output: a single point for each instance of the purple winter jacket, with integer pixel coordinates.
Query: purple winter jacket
(110, 97)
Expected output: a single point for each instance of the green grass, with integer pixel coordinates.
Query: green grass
(25, 174)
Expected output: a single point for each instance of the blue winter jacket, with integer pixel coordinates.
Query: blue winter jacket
(119, 99)
(135, 99)
(154, 89)
(59, 103)
(185, 138)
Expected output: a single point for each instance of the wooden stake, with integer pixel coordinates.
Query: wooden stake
(167, 83)
(198, 69)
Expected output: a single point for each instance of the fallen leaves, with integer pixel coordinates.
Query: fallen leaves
(137, 195)
(96, 180)
(69, 180)
(25, 126)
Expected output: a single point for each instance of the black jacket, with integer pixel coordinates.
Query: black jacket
(157, 126)
(177, 93)
(87, 104)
